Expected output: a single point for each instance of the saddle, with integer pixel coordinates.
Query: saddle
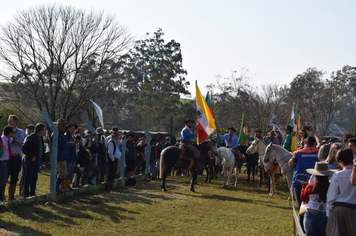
(186, 155)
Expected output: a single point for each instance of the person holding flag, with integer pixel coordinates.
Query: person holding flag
(185, 136)
(232, 142)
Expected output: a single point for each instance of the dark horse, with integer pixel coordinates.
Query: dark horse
(208, 151)
(251, 162)
(170, 158)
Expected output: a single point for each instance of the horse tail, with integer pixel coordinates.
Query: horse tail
(162, 166)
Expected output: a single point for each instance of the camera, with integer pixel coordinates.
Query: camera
(308, 127)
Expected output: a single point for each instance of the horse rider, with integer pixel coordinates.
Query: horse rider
(258, 134)
(185, 136)
(232, 142)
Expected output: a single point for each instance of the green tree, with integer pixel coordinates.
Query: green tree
(154, 75)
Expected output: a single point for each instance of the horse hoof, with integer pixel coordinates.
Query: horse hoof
(192, 190)
(164, 189)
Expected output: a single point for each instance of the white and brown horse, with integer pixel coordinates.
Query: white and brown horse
(259, 146)
(277, 153)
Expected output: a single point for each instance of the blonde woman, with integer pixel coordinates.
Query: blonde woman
(331, 159)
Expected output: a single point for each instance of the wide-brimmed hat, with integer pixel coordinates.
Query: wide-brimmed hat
(89, 133)
(289, 128)
(100, 130)
(258, 131)
(60, 121)
(71, 124)
(321, 169)
(130, 182)
(114, 129)
(269, 133)
(189, 120)
(31, 126)
(231, 128)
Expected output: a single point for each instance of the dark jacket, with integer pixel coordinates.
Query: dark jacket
(63, 147)
(31, 147)
(83, 157)
(72, 148)
(131, 154)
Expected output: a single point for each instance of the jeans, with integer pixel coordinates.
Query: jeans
(3, 173)
(22, 179)
(14, 167)
(315, 224)
(31, 175)
(70, 169)
(111, 167)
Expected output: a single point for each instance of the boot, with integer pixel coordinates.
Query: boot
(102, 178)
(107, 186)
(12, 188)
(68, 185)
(21, 190)
(58, 182)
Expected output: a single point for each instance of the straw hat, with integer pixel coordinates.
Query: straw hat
(71, 124)
(60, 121)
(321, 169)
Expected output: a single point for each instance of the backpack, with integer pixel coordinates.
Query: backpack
(112, 141)
(1, 147)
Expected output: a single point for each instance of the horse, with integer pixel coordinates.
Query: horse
(251, 162)
(226, 158)
(208, 153)
(258, 146)
(282, 156)
(171, 157)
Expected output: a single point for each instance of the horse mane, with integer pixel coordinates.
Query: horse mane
(279, 147)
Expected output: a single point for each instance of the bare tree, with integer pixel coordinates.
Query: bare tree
(56, 54)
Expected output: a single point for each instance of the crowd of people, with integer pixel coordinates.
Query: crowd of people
(324, 173)
(322, 184)
(80, 159)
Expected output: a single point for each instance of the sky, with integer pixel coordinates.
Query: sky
(274, 40)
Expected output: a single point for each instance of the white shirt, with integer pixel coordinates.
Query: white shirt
(111, 148)
(340, 189)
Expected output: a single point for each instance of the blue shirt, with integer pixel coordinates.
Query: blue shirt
(275, 141)
(186, 134)
(234, 140)
(20, 136)
(305, 159)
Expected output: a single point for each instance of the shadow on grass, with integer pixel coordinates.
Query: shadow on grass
(216, 197)
(19, 229)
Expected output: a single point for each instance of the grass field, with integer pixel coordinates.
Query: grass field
(146, 210)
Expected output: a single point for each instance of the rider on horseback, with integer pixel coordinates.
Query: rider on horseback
(232, 142)
(185, 136)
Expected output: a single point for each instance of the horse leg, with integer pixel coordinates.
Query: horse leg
(248, 173)
(193, 179)
(224, 176)
(229, 178)
(273, 185)
(165, 174)
(207, 173)
(236, 175)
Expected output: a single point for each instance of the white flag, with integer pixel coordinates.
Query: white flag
(274, 121)
(99, 112)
